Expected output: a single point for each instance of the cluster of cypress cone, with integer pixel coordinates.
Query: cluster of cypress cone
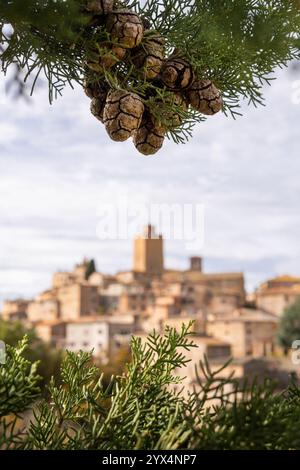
(123, 112)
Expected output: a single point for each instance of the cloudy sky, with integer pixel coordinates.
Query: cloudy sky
(58, 169)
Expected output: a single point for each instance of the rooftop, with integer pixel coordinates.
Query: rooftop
(124, 319)
(246, 315)
(208, 340)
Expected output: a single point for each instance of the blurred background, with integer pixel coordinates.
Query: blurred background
(58, 166)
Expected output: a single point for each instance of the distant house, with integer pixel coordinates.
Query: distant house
(275, 295)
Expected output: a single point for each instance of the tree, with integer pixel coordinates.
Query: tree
(238, 44)
(90, 268)
(289, 327)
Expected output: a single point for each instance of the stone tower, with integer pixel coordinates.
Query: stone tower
(148, 252)
(196, 263)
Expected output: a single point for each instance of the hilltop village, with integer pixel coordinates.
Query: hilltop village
(85, 309)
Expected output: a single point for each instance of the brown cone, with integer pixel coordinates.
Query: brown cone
(148, 57)
(97, 107)
(173, 119)
(125, 27)
(95, 89)
(122, 114)
(106, 57)
(149, 137)
(100, 7)
(177, 74)
(205, 97)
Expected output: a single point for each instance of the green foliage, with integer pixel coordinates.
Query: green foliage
(115, 366)
(18, 389)
(133, 412)
(47, 357)
(245, 416)
(18, 381)
(237, 43)
(90, 269)
(141, 409)
(289, 327)
(37, 39)
(12, 332)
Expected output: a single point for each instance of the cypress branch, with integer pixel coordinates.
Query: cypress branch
(238, 44)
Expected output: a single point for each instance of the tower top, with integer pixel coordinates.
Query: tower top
(148, 252)
(196, 263)
(149, 233)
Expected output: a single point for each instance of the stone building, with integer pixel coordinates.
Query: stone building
(44, 307)
(148, 253)
(103, 335)
(13, 310)
(133, 301)
(78, 300)
(214, 349)
(156, 315)
(62, 278)
(275, 295)
(251, 333)
(52, 332)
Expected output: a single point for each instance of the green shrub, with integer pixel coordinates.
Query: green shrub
(141, 409)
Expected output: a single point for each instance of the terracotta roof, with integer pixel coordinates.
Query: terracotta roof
(48, 323)
(286, 278)
(104, 318)
(208, 340)
(235, 275)
(279, 283)
(246, 315)
(16, 301)
(206, 275)
(280, 290)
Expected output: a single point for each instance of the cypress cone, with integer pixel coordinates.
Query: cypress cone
(149, 137)
(177, 74)
(172, 118)
(95, 89)
(125, 27)
(100, 7)
(97, 106)
(106, 57)
(149, 56)
(205, 97)
(122, 115)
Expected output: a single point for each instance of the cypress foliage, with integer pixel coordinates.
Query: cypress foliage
(141, 408)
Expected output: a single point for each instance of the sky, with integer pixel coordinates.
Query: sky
(59, 171)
